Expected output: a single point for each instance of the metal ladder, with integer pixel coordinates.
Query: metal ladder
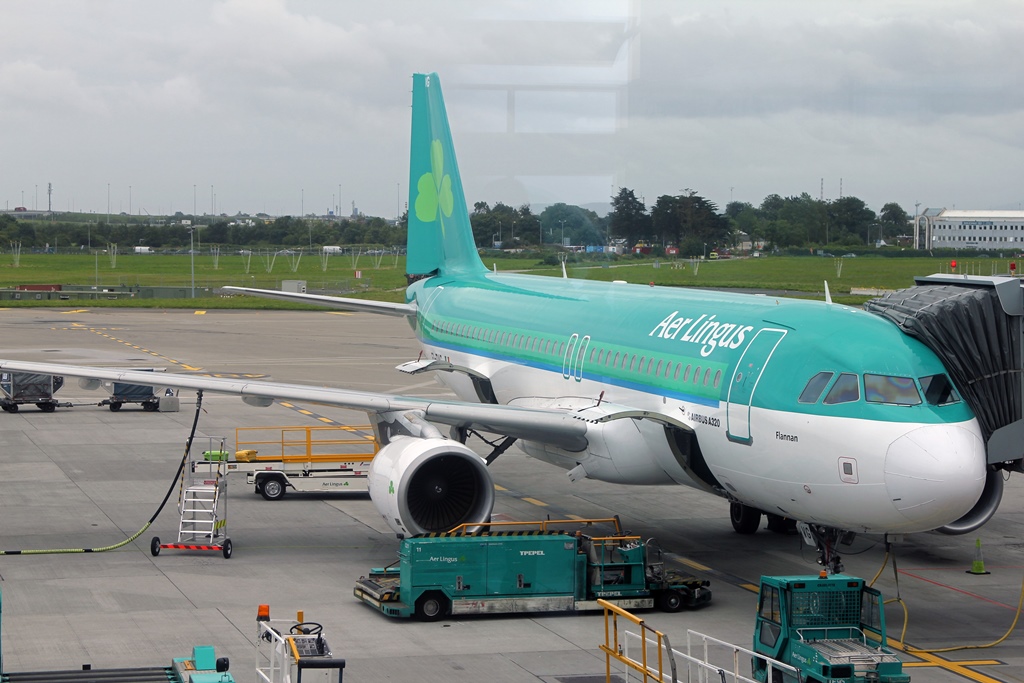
(199, 520)
(203, 512)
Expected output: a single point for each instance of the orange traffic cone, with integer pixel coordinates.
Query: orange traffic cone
(978, 566)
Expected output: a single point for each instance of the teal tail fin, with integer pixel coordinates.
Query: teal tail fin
(440, 235)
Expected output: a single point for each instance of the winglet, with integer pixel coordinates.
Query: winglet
(440, 236)
(828, 295)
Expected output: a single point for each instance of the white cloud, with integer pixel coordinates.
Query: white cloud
(905, 100)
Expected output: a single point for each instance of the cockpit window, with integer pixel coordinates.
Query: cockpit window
(845, 390)
(885, 389)
(938, 390)
(816, 385)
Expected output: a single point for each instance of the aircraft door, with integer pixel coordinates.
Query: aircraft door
(569, 357)
(744, 382)
(575, 352)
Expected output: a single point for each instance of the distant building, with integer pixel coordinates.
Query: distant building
(956, 229)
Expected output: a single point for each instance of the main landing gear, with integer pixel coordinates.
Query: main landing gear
(747, 520)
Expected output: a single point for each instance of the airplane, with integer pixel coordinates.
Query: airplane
(801, 410)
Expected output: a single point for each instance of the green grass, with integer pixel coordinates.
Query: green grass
(385, 279)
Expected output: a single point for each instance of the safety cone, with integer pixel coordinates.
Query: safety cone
(978, 566)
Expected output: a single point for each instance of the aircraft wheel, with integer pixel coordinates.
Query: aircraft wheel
(273, 488)
(432, 606)
(154, 546)
(745, 519)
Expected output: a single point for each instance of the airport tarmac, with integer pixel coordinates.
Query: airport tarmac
(88, 477)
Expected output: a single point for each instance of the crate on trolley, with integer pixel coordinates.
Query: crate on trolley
(202, 503)
(121, 393)
(20, 388)
(143, 394)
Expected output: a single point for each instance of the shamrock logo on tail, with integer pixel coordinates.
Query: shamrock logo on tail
(434, 189)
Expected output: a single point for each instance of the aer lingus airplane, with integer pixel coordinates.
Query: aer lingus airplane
(803, 410)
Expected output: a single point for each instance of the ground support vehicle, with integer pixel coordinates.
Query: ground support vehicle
(296, 651)
(831, 628)
(202, 503)
(309, 459)
(484, 570)
(20, 388)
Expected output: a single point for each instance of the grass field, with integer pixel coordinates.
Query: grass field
(383, 277)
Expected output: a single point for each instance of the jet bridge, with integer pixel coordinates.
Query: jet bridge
(975, 325)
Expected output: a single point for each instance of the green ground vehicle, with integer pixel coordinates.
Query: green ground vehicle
(831, 628)
(492, 571)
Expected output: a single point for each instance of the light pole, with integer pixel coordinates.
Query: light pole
(704, 253)
(192, 258)
(563, 233)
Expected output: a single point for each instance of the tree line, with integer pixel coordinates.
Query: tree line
(688, 221)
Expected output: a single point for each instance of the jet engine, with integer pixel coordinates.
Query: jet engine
(983, 510)
(424, 485)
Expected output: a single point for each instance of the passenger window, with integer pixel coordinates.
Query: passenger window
(616, 361)
(816, 385)
(718, 378)
(686, 374)
(845, 390)
(696, 375)
(657, 370)
(938, 390)
(707, 374)
(678, 368)
(885, 389)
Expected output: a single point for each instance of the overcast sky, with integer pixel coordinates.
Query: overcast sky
(285, 106)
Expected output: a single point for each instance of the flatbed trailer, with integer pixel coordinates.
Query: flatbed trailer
(306, 459)
(483, 570)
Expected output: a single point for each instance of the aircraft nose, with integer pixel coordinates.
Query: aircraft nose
(935, 474)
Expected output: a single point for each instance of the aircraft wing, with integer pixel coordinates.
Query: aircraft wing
(555, 427)
(339, 302)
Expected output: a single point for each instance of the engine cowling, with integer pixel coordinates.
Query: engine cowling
(983, 510)
(429, 485)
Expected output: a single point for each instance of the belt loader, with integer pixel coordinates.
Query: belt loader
(482, 570)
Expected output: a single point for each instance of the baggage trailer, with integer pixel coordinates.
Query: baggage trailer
(481, 570)
(121, 393)
(20, 388)
(306, 459)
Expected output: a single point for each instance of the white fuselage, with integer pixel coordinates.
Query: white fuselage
(864, 475)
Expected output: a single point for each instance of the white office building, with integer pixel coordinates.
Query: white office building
(956, 229)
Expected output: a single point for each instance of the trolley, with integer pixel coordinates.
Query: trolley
(202, 503)
(20, 388)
